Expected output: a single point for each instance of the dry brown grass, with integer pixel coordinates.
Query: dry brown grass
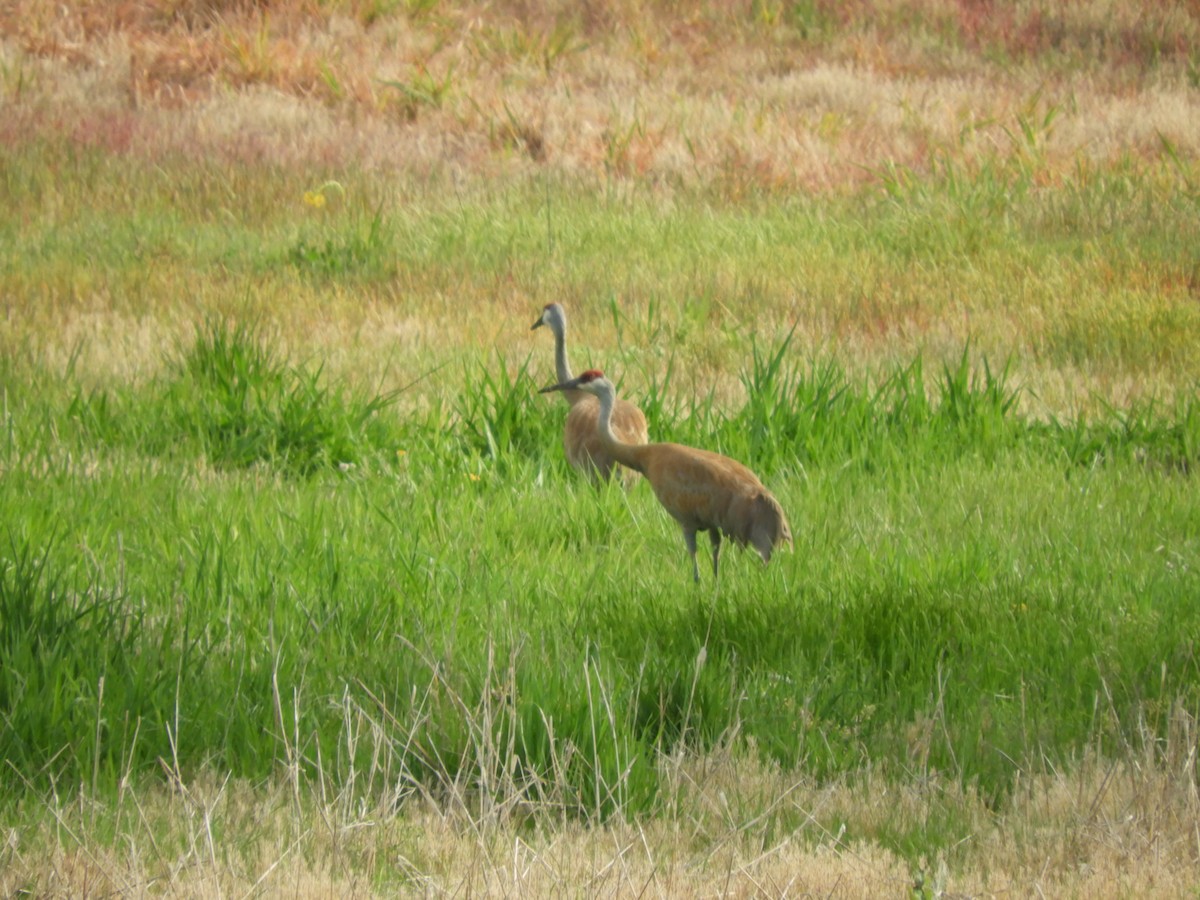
(727, 94)
(737, 828)
(740, 99)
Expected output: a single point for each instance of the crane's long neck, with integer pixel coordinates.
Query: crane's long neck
(560, 354)
(630, 455)
(561, 366)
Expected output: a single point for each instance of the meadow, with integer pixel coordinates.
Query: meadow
(298, 594)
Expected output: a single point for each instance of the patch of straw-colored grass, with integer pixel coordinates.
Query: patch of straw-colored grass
(737, 827)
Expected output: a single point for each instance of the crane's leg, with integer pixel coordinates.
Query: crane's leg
(689, 538)
(715, 536)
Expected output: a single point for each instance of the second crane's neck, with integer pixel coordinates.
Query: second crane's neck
(627, 454)
(562, 367)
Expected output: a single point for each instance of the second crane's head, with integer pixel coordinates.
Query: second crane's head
(591, 382)
(553, 315)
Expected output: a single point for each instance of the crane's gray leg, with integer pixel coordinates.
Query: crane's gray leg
(689, 538)
(715, 536)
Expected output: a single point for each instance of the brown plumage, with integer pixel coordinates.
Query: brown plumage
(704, 491)
(581, 437)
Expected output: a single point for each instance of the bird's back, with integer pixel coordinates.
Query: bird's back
(582, 442)
(705, 490)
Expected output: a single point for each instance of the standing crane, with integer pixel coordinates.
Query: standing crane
(581, 437)
(702, 490)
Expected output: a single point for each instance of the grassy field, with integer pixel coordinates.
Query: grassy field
(298, 595)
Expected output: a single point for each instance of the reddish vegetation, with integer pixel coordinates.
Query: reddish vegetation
(751, 96)
(737, 100)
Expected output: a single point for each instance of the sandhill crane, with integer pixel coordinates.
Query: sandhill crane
(581, 438)
(704, 491)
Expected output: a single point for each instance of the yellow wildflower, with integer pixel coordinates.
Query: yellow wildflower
(315, 199)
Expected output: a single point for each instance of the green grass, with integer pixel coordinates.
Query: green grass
(250, 560)
(1093, 274)
(231, 399)
(468, 616)
(297, 588)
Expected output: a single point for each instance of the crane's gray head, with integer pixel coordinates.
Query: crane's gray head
(592, 382)
(554, 316)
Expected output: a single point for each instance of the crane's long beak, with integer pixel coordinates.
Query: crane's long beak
(562, 386)
(538, 324)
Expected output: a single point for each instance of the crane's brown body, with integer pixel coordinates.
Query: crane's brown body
(587, 453)
(702, 490)
(581, 435)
